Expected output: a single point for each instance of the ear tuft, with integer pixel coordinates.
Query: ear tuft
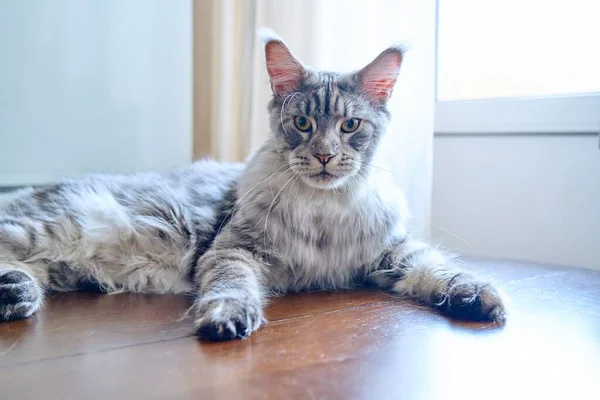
(377, 80)
(266, 34)
(285, 71)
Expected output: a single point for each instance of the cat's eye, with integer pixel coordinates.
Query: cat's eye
(350, 125)
(303, 124)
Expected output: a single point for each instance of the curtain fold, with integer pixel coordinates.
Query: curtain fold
(223, 64)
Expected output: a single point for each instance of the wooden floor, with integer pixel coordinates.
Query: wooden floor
(363, 344)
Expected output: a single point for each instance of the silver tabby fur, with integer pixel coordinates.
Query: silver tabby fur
(236, 234)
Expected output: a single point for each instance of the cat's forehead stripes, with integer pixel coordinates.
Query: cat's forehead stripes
(325, 97)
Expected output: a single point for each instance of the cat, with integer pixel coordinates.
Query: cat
(304, 213)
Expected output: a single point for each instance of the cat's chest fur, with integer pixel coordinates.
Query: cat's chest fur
(324, 238)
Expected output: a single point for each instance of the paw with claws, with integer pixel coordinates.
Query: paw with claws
(469, 299)
(227, 318)
(20, 295)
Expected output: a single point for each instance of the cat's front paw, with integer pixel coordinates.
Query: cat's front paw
(470, 299)
(227, 318)
(20, 295)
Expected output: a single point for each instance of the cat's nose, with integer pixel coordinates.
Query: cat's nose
(324, 158)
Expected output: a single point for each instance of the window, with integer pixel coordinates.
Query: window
(518, 66)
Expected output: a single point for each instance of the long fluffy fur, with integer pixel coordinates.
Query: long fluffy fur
(236, 234)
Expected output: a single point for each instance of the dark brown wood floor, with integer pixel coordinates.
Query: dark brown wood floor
(362, 344)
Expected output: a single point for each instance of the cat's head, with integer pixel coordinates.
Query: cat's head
(328, 125)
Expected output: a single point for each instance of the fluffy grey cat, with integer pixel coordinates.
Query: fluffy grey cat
(303, 214)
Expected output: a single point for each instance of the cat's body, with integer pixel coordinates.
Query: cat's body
(143, 233)
(307, 212)
(137, 233)
(310, 239)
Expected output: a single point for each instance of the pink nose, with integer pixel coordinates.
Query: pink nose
(324, 158)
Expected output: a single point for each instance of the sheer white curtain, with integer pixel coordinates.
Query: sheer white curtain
(339, 35)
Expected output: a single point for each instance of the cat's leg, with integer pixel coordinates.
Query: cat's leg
(21, 291)
(230, 294)
(27, 238)
(21, 294)
(419, 271)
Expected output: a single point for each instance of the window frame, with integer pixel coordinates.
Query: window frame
(561, 114)
(564, 114)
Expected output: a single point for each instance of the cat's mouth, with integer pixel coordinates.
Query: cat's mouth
(323, 176)
(324, 180)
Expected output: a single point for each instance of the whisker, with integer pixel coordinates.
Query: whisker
(375, 166)
(453, 234)
(335, 191)
(237, 203)
(271, 207)
(290, 97)
(296, 184)
(235, 206)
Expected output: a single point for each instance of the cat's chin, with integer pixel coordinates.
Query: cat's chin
(324, 181)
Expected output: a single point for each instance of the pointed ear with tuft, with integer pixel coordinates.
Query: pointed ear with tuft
(285, 71)
(376, 80)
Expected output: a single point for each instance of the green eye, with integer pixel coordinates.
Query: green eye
(350, 125)
(303, 124)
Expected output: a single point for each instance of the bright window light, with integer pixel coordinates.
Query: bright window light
(517, 48)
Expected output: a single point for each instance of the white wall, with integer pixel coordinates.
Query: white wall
(522, 197)
(93, 86)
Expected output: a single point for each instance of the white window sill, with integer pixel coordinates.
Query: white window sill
(568, 114)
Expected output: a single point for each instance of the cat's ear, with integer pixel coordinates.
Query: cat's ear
(376, 81)
(285, 71)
